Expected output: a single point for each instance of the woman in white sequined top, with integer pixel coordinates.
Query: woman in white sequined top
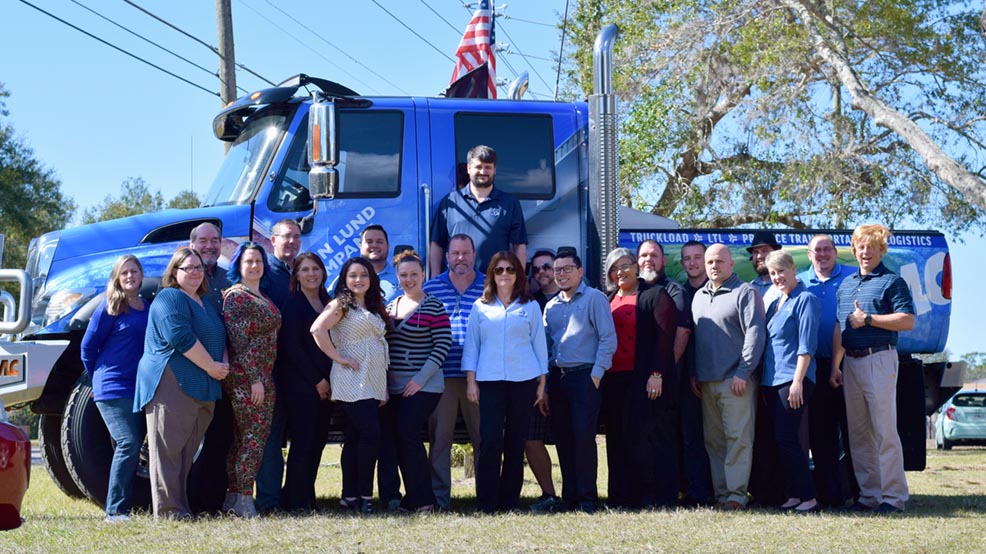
(351, 331)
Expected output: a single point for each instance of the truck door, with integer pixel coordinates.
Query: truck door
(540, 148)
(377, 184)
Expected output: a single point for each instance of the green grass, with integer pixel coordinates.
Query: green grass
(947, 513)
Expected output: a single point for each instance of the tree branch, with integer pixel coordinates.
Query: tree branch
(944, 166)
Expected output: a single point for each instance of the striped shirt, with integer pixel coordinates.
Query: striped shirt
(879, 292)
(458, 306)
(418, 345)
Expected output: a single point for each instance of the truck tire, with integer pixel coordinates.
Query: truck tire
(49, 436)
(88, 450)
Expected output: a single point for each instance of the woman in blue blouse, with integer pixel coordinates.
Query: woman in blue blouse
(789, 375)
(178, 378)
(505, 359)
(111, 349)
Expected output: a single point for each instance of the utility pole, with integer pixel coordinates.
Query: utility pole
(227, 58)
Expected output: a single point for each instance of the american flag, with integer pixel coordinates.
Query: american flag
(476, 47)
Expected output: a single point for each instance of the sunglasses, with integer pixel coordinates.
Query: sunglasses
(540, 268)
(511, 270)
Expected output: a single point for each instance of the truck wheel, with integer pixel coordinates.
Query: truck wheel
(88, 449)
(49, 435)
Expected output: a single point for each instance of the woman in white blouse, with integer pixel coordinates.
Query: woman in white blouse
(505, 359)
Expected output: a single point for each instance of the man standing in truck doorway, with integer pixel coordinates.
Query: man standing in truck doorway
(492, 217)
(207, 240)
(827, 416)
(874, 305)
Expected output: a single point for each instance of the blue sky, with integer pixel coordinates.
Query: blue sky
(98, 116)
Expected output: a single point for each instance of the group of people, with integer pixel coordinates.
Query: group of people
(680, 375)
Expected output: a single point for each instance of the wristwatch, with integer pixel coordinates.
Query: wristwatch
(868, 320)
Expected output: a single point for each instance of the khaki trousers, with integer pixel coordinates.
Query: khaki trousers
(176, 424)
(871, 407)
(441, 426)
(728, 424)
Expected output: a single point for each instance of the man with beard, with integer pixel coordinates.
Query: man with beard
(374, 245)
(538, 458)
(651, 260)
(581, 342)
(730, 332)
(207, 240)
(458, 288)
(763, 243)
(285, 241)
(493, 217)
(696, 481)
(827, 416)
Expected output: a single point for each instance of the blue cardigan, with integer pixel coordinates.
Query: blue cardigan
(175, 322)
(111, 348)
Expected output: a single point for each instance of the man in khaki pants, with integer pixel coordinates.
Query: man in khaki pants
(874, 305)
(730, 331)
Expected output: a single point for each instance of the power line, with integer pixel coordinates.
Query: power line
(536, 72)
(505, 16)
(149, 41)
(303, 43)
(323, 39)
(211, 48)
(415, 33)
(440, 16)
(561, 51)
(542, 58)
(115, 47)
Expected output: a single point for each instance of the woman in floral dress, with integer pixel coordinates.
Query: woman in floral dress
(252, 323)
(351, 331)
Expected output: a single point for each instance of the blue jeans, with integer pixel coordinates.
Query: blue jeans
(270, 475)
(127, 429)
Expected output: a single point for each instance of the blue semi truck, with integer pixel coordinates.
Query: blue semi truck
(317, 152)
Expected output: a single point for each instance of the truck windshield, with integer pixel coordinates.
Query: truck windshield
(243, 168)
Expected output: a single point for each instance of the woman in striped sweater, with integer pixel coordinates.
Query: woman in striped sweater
(419, 341)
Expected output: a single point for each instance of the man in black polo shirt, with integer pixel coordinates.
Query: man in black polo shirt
(874, 305)
(491, 217)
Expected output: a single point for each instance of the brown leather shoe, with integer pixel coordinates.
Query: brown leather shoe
(731, 506)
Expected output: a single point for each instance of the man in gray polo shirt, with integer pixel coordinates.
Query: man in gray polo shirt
(491, 217)
(730, 331)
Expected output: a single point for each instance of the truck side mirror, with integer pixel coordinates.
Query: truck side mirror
(323, 150)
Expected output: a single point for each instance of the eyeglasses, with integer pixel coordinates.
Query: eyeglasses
(823, 250)
(511, 270)
(565, 270)
(191, 269)
(624, 268)
(542, 267)
(289, 236)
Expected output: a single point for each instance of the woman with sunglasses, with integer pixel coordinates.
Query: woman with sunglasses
(505, 359)
(252, 322)
(638, 390)
(178, 378)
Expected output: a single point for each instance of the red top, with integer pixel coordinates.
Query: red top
(624, 309)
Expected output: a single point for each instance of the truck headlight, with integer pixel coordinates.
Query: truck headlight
(64, 302)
